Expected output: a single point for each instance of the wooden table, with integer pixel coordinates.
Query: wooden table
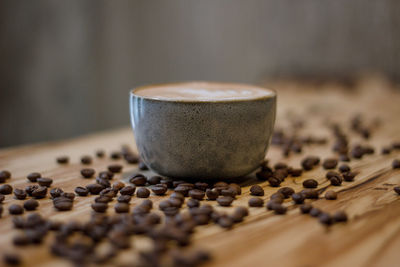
(370, 238)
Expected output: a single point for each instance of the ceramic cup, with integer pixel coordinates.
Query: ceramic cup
(202, 139)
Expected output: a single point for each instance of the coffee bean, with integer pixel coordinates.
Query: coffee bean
(106, 175)
(19, 193)
(142, 166)
(225, 222)
(69, 195)
(166, 182)
(271, 204)
(33, 176)
(31, 204)
(344, 157)
(340, 216)
(15, 209)
(236, 187)
(298, 198)
(325, 218)
(396, 189)
(153, 180)
(4, 175)
(62, 159)
(193, 203)
(159, 190)
(142, 192)
(118, 185)
(100, 153)
(197, 194)
(310, 162)
(29, 189)
(124, 198)
(87, 172)
(86, 160)
(39, 192)
(21, 240)
(331, 174)
(315, 212)
(336, 180)
(256, 190)
(62, 203)
(229, 191)
(344, 168)
(184, 190)
(81, 191)
(310, 183)
(104, 182)
(310, 193)
(131, 158)
(121, 207)
(45, 181)
(396, 164)
(224, 201)
(212, 194)
(115, 155)
(94, 189)
(6, 189)
(12, 259)
(296, 172)
(102, 199)
(138, 179)
(286, 191)
(115, 168)
(305, 208)
(56, 192)
(99, 207)
(331, 195)
(279, 209)
(330, 163)
(128, 190)
(256, 202)
(349, 176)
(274, 182)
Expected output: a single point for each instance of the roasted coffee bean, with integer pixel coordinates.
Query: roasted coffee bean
(305, 208)
(106, 175)
(4, 175)
(264, 175)
(296, 172)
(331, 195)
(225, 222)
(102, 199)
(236, 187)
(167, 182)
(256, 202)
(147, 203)
(340, 216)
(344, 157)
(138, 179)
(104, 182)
(256, 190)
(99, 207)
(212, 194)
(29, 189)
(184, 190)
(62, 159)
(33, 176)
(164, 204)
(15, 209)
(86, 160)
(349, 176)
(397, 189)
(94, 189)
(124, 198)
(309, 162)
(31, 204)
(56, 192)
(115, 155)
(325, 218)
(310, 193)
(310, 183)
(62, 204)
(45, 181)
(331, 174)
(69, 195)
(100, 153)
(127, 190)
(279, 209)
(396, 164)
(286, 191)
(118, 185)
(108, 192)
(229, 191)
(39, 192)
(178, 196)
(170, 211)
(81, 191)
(224, 201)
(274, 182)
(6, 189)
(315, 212)
(12, 259)
(280, 165)
(193, 203)
(121, 207)
(87, 172)
(330, 163)
(115, 168)
(131, 158)
(336, 180)
(142, 166)
(142, 192)
(197, 194)
(21, 240)
(344, 168)
(153, 180)
(386, 150)
(19, 193)
(176, 183)
(298, 198)
(201, 186)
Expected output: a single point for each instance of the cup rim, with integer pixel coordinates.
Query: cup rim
(263, 97)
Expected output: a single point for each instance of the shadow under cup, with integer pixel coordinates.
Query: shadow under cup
(203, 139)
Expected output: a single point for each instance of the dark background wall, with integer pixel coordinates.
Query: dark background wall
(66, 67)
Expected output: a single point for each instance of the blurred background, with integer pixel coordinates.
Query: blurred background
(66, 67)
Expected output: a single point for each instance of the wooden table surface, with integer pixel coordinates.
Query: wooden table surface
(371, 237)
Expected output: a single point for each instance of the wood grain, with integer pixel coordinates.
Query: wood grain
(370, 238)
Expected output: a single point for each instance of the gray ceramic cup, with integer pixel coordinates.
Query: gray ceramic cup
(202, 139)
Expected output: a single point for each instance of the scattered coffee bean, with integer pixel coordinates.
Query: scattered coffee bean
(349, 176)
(31, 204)
(224, 201)
(309, 162)
(94, 189)
(4, 175)
(153, 180)
(193, 203)
(45, 181)
(15, 209)
(106, 175)
(305, 208)
(121, 207)
(296, 172)
(197, 194)
(330, 163)
(115, 155)
(212, 194)
(21, 240)
(87, 172)
(256, 190)
(298, 198)
(315, 212)
(325, 218)
(6, 189)
(62, 203)
(256, 202)
(340, 216)
(336, 180)
(279, 209)
(124, 198)
(12, 259)
(344, 157)
(19, 193)
(33, 176)
(29, 189)
(331, 195)
(99, 207)
(118, 185)
(104, 182)
(62, 160)
(81, 191)
(286, 191)
(86, 160)
(229, 191)
(115, 168)
(396, 164)
(274, 182)
(396, 189)
(310, 183)
(102, 199)
(127, 190)
(100, 153)
(142, 192)
(56, 192)
(39, 192)
(159, 190)
(310, 193)
(138, 179)
(344, 168)
(331, 174)
(225, 222)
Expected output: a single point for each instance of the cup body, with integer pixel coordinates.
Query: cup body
(202, 139)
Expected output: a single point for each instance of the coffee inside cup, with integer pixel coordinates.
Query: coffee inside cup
(202, 91)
